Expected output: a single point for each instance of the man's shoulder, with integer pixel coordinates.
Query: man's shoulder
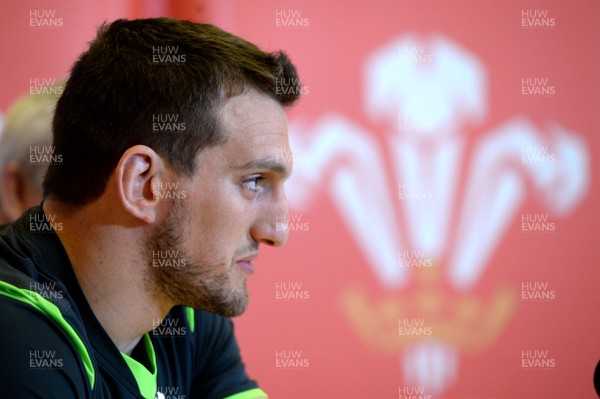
(38, 357)
(25, 261)
(22, 319)
(38, 335)
(16, 245)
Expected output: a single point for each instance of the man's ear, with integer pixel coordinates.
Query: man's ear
(138, 171)
(12, 191)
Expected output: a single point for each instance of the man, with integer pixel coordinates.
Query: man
(169, 133)
(25, 153)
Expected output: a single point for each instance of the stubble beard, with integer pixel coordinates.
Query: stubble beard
(201, 285)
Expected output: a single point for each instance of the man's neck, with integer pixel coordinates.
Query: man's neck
(107, 258)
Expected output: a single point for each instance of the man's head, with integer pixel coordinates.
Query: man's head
(181, 125)
(25, 153)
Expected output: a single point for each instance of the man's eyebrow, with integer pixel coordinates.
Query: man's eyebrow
(268, 164)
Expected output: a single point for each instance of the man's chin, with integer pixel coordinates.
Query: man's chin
(238, 309)
(230, 311)
(232, 307)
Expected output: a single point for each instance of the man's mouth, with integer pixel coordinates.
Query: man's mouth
(246, 263)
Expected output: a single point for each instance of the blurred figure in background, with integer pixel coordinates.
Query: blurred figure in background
(26, 136)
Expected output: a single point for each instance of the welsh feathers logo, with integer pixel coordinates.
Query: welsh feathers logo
(427, 207)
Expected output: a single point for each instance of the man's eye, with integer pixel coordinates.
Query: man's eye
(252, 183)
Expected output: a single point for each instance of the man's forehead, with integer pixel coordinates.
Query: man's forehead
(254, 127)
(254, 117)
(252, 107)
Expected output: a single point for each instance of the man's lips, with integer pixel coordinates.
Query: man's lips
(246, 263)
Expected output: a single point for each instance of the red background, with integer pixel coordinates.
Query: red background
(330, 54)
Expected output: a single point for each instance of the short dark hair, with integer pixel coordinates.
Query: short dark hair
(137, 69)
